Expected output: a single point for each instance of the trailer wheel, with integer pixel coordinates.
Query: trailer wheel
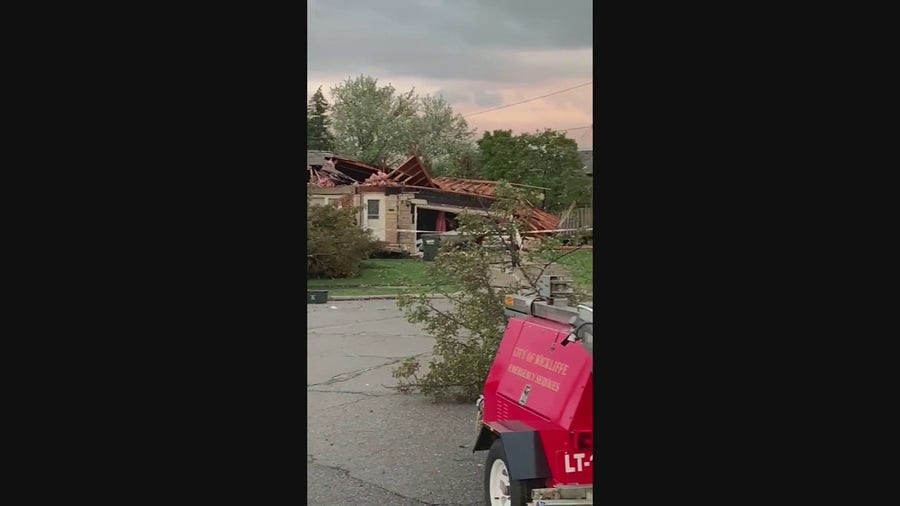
(499, 490)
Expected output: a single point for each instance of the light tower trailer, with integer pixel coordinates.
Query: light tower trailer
(536, 415)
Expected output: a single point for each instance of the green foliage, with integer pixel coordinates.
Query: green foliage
(580, 265)
(488, 265)
(317, 134)
(442, 137)
(335, 243)
(381, 126)
(546, 159)
(464, 163)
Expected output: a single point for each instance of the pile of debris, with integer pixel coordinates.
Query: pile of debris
(327, 175)
(379, 179)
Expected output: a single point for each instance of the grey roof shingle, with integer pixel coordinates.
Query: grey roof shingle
(317, 158)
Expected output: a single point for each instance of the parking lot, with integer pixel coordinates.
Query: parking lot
(367, 443)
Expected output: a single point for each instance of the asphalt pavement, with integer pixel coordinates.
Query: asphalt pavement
(368, 443)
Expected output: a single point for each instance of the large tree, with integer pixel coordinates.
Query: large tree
(443, 138)
(546, 159)
(318, 135)
(464, 163)
(379, 125)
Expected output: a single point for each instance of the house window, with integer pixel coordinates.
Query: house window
(373, 209)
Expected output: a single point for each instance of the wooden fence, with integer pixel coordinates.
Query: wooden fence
(579, 218)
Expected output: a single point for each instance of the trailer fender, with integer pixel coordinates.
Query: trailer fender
(485, 439)
(524, 452)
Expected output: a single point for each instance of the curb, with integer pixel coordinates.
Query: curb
(337, 298)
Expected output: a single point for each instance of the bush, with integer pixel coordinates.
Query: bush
(335, 243)
(585, 237)
(383, 251)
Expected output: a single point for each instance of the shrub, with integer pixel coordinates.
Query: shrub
(335, 243)
(586, 237)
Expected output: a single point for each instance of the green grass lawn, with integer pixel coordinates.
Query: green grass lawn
(395, 276)
(580, 265)
(377, 277)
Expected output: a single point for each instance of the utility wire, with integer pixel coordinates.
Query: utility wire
(529, 100)
(574, 128)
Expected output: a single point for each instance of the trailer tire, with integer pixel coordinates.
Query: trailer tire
(496, 480)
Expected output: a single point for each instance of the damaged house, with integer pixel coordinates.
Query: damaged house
(400, 205)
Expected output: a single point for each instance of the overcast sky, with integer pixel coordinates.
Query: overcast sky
(478, 54)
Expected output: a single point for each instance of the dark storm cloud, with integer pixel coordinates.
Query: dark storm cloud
(447, 39)
(455, 95)
(478, 96)
(486, 98)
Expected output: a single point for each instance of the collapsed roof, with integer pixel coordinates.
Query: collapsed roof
(412, 174)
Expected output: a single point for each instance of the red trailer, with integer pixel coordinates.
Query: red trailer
(536, 415)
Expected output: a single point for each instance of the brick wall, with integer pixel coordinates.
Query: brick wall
(390, 219)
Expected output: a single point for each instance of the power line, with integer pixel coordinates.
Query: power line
(575, 128)
(529, 100)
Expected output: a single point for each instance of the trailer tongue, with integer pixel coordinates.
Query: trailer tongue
(535, 416)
